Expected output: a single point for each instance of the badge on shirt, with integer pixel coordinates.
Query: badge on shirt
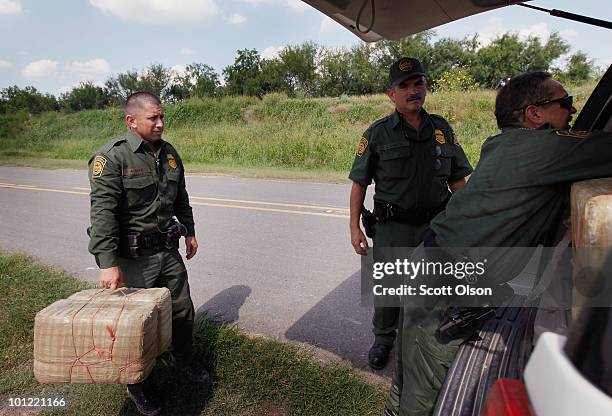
(363, 145)
(578, 134)
(98, 166)
(171, 161)
(439, 136)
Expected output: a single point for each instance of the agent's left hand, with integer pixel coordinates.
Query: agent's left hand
(191, 245)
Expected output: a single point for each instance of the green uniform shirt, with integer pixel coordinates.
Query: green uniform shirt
(411, 169)
(134, 190)
(519, 190)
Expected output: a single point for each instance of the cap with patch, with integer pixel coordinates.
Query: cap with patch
(404, 68)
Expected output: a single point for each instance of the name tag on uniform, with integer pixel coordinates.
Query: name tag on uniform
(135, 171)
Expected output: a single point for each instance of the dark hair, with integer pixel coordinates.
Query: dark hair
(138, 100)
(519, 92)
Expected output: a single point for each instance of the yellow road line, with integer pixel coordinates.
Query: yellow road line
(284, 211)
(328, 209)
(277, 204)
(33, 188)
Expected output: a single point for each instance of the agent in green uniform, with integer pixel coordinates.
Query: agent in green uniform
(497, 209)
(416, 163)
(137, 188)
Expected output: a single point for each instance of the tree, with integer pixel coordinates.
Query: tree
(299, 68)
(272, 76)
(155, 80)
(243, 76)
(198, 80)
(579, 68)
(85, 96)
(448, 55)
(507, 56)
(26, 99)
(334, 72)
(417, 45)
(120, 87)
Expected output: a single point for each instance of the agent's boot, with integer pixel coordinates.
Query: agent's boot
(379, 356)
(145, 400)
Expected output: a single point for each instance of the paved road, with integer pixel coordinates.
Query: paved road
(274, 258)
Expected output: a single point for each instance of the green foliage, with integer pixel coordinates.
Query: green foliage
(456, 79)
(507, 56)
(243, 76)
(299, 68)
(13, 123)
(579, 68)
(155, 79)
(26, 99)
(85, 96)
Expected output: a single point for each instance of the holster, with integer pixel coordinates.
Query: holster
(129, 245)
(369, 220)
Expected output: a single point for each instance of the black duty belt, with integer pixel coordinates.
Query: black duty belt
(388, 212)
(134, 244)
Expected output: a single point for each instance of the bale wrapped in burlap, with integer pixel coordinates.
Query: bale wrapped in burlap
(592, 240)
(160, 296)
(102, 336)
(592, 213)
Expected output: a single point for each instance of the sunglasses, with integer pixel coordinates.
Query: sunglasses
(566, 102)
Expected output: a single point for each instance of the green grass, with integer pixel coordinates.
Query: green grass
(313, 135)
(253, 376)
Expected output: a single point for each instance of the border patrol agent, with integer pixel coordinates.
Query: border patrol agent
(496, 209)
(137, 187)
(415, 161)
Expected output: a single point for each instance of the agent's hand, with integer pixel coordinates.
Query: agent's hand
(191, 245)
(111, 278)
(359, 241)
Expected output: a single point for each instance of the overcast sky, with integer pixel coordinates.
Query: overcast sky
(55, 44)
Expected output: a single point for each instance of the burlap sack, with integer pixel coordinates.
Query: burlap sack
(592, 240)
(159, 296)
(592, 213)
(100, 336)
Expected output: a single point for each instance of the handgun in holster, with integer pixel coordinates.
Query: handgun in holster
(460, 322)
(174, 234)
(369, 220)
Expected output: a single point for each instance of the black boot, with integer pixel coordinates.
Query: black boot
(145, 400)
(379, 356)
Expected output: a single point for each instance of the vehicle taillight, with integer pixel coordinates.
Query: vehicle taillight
(507, 397)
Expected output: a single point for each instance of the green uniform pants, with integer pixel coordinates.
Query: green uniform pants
(422, 360)
(166, 269)
(392, 234)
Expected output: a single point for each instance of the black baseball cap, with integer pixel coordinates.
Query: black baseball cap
(404, 68)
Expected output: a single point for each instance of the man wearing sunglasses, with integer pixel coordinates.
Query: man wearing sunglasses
(516, 197)
(415, 161)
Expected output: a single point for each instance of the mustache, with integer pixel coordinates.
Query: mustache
(414, 97)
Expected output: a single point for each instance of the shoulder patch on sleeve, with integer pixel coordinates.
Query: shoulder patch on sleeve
(97, 166)
(362, 146)
(578, 134)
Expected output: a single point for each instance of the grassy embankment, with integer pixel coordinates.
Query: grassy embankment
(276, 136)
(252, 376)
